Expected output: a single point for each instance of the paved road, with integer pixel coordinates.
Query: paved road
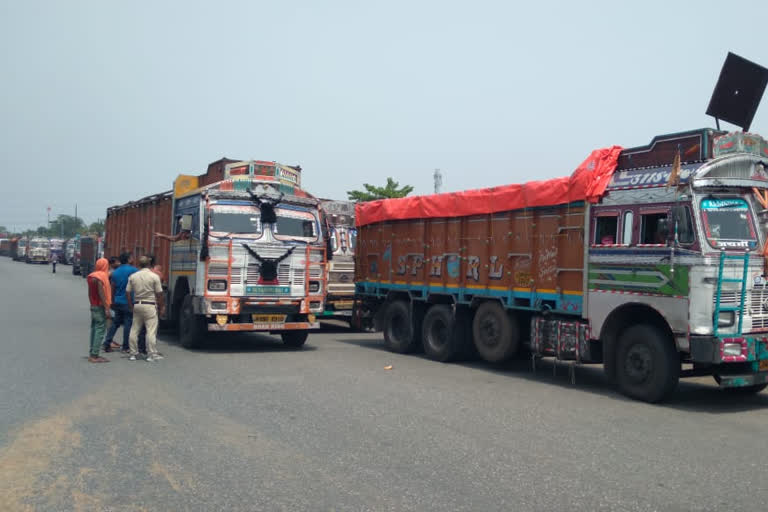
(248, 425)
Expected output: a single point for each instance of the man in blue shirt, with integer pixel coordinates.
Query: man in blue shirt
(122, 315)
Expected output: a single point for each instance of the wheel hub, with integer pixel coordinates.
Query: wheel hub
(638, 364)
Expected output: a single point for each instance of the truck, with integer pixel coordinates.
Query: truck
(5, 246)
(69, 251)
(57, 249)
(649, 260)
(21, 249)
(339, 222)
(38, 251)
(240, 246)
(86, 254)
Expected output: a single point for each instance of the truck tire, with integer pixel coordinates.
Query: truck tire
(647, 364)
(443, 334)
(399, 334)
(191, 326)
(295, 339)
(495, 332)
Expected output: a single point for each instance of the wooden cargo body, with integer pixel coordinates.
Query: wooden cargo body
(531, 258)
(132, 227)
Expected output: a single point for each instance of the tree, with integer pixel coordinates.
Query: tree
(96, 227)
(390, 190)
(65, 226)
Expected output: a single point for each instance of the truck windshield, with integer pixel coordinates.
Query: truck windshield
(241, 221)
(728, 223)
(295, 224)
(35, 244)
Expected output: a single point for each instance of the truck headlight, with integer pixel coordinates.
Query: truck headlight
(218, 285)
(726, 318)
(314, 286)
(732, 349)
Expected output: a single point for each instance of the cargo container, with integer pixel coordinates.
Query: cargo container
(339, 220)
(649, 260)
(241, 248)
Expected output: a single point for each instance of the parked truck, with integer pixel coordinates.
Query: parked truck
(38, 251)
(86, 254)
(652, 267)
(21, 249)
(339, 220)
(5, 246)
(241, 248)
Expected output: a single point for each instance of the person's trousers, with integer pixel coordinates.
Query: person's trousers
(54, 267)
(123, 317)
(98, 326)
(144, 315)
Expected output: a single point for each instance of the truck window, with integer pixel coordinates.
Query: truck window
(629, 219)
(685, 234)
(234, 221)
(295, 224)
(728, 222)
(653, 228)
(352, 239)
(606, 229)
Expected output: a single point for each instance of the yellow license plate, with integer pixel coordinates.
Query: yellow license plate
(268, 319)
(764, 365)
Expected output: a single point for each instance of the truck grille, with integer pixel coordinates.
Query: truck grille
(753, 308)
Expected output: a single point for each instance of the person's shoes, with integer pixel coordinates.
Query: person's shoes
(106, 348)
(156, 357)
(114, 345)
(125, 351)
(97, 359)
(132, 358)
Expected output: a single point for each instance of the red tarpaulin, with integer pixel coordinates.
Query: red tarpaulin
(587, 182)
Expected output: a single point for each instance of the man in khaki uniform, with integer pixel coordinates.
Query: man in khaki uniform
(147, 292)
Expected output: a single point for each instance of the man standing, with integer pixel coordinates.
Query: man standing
(147, 292)
(100, 297)
(54, 261)
(123, 316)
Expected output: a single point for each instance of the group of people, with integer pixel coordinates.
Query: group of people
(128, 297)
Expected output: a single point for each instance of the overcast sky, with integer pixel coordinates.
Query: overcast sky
(104, 102)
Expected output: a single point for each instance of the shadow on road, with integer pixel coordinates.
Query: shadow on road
(690, 396)
(216, 343)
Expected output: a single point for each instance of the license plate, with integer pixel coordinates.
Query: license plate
(268, 319)
(268, 290)
(764, 365)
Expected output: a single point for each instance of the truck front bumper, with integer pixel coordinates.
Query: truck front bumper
(261, 327)
(735, 361)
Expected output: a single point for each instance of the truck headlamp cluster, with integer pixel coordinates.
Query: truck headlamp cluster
(314, 286)
(218, 285)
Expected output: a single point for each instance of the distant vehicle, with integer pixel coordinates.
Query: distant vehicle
(69, 252)
(86, 256)
(339, 220)
(57, 249)
(5, 247)
(39, 251)
(21, 249)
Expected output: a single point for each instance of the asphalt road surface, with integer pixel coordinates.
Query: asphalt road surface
(247, 424)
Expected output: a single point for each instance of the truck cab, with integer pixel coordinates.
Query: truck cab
(39, 251)
(339, 222)
(247, 254)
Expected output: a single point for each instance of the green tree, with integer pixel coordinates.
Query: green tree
(96, 227)
(391, 190)
(65, 226)
(3, 229)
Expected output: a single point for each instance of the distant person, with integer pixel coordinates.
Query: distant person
(54, 261)
(100, 298)
(147, 292)
(123, 316)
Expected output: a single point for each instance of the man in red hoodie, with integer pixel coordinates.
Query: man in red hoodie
(100, 297)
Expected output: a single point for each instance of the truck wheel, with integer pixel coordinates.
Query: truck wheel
(399, 335)
(495, 332)
(647, 365)
(295, 339)
(443, 334)
(191, 326)
(747, 390)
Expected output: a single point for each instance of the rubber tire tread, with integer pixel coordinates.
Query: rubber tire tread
(666, 364)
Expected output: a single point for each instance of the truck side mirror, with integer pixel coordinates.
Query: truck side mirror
(186, 222)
